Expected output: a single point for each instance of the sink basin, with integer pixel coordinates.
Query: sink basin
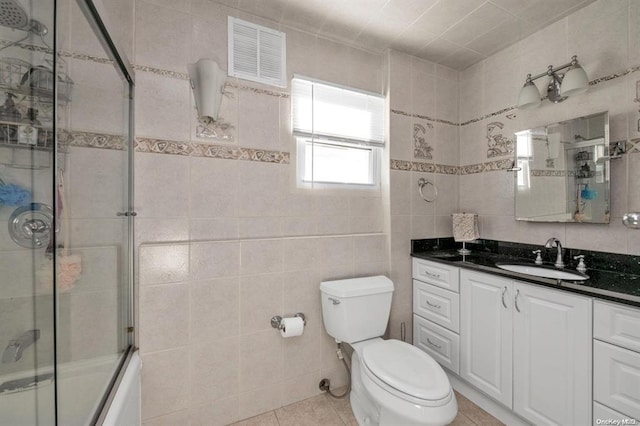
(543, 271)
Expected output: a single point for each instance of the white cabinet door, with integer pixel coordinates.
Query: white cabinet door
(486, 333)
(551, 356)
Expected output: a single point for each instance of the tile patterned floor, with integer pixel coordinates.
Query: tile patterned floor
(323, 410)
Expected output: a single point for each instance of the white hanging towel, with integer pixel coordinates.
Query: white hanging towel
(465, 227)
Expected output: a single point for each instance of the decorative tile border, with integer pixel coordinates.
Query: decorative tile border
(471, 169)
(91, 140)
(161, 146)
(424, 117)
(198, 149)
(548, 173)
(257, 90)
(161, 72)
(400, 165)
(496, 165)
(484, 117)
(418, 166)
(84, 57)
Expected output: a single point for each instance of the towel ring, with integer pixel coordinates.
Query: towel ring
(422, 182)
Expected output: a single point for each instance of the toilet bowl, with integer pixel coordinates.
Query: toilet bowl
(392, 382)
(404, 386)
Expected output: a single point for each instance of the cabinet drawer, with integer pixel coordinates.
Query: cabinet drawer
(438, 305)
(602, 413)
(442, 344)
(617, 324)
(436, 274)
(616, 378)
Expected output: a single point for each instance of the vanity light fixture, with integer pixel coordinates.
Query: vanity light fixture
(574, 81)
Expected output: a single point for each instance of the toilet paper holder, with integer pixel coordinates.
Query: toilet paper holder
(276, 321)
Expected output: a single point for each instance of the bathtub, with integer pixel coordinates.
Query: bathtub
(80, 389)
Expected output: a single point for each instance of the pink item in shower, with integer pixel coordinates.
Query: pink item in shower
(69, 268)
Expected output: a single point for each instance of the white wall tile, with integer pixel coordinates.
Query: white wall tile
(259, 257)
(214, 260)
(261, 299)
(259, 122)
(163, 108)
(260, 359)
(164, 317)
(161, 185)
(162, 26)
(214, 309)
(165, 383)
(214, 370)
(163, 263)
(152, 230)
(213, 185)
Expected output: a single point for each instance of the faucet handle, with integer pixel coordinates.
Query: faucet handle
(538, 256)
(581, 266)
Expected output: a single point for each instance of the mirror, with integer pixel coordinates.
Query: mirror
(563, 171)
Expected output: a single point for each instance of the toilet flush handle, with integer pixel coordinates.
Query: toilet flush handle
(334, 301)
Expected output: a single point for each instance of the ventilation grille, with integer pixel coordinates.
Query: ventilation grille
(256, 53)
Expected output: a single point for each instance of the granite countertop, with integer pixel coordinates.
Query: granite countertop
(612, 277)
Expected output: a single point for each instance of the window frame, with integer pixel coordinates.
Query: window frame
(375, 165)
(308, 135)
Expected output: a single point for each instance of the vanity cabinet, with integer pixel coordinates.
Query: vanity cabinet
(616, 355)
(528, 347)
(436, 312)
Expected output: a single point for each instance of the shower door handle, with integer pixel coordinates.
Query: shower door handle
(128, 213)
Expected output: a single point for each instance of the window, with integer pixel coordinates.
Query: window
(340, 134)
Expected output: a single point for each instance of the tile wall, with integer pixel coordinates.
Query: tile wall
(225, 239)
(604, 36)
(423, 139)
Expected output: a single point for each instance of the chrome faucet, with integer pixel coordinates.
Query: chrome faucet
(13, 351)
(554, 242)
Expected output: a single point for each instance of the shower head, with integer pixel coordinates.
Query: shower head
(14, 16)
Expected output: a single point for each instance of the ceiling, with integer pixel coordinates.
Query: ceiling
(454, 33)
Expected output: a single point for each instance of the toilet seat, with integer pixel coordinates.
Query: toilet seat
(407, 372)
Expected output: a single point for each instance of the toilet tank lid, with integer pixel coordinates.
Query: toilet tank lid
(353, 287)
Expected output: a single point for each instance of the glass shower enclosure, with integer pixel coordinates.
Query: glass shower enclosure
(66, 215)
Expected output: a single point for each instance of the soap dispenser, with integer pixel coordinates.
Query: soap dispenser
(538, 257)
(581, 266)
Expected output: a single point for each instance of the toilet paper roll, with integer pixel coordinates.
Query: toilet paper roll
(292, 327)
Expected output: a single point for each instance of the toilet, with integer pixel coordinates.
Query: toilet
(392, 382)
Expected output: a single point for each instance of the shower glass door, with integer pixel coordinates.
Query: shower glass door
(93, 201)
(65, 227)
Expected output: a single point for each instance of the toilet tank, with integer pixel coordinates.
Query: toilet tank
(356, 309)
